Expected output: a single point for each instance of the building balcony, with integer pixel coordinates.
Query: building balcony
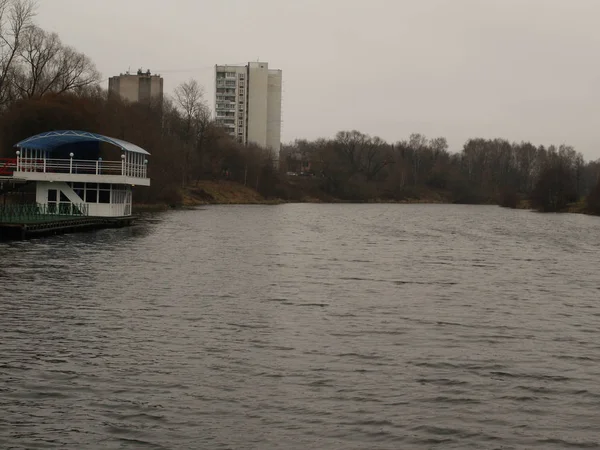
(127, 171)
(225, 107)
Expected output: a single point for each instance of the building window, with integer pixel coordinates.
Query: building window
(241, 123)
(91, 193)
(242, 76)
(104, 193)
(241, 84)
(242, 91)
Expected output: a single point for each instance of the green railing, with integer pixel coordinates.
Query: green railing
(40, 213)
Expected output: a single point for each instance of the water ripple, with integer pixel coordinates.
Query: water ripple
(305, 326)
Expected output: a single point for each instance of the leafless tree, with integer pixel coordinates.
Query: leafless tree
(189, 98)
(74, 71)
(15, 20)
(38, 51)
(48, 66)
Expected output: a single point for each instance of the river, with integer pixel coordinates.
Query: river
(305, 327)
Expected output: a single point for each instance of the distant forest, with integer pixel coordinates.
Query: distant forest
(356, 166)
(46, 85)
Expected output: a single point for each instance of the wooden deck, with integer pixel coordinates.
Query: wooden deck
(59, 225)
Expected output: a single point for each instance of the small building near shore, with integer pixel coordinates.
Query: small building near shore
(76, 173)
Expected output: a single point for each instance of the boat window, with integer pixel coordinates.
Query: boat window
(104, 196)
(91, 195)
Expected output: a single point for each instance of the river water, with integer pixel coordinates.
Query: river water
(305, 327)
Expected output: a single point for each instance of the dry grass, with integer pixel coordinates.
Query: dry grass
(222, 193)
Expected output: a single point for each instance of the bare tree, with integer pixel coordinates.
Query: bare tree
(189, 99)
(48, 66)
(74, 71)
(15, 20)
(417, 143)
(37, 51)
(438, 146)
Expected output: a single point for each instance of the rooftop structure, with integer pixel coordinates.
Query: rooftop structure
(139, 87)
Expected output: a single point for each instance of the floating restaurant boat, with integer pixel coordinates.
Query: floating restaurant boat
(82, 180)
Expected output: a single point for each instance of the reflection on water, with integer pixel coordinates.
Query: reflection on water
(305, 326)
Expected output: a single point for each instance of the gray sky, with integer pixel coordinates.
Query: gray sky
(517, 69)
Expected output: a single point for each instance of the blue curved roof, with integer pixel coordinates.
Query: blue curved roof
(54, 139)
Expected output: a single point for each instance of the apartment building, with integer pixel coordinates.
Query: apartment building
(139, 87)
(248, 103)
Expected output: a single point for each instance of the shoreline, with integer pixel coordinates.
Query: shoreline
(223, 192)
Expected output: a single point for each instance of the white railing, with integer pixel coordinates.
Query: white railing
(83, 167)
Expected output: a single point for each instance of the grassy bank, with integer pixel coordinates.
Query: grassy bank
(579, 207)
(209, 193)
(224, 192)
(221, 192)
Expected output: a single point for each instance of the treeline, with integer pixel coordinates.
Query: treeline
(184, 148)
(355, 166)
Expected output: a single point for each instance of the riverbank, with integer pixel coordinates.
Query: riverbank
(579, 207)
(224, 192)
(221, 192)
(229, 192)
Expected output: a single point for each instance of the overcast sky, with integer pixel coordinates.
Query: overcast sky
(516, 69)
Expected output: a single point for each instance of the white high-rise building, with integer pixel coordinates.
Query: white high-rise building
(248, 104)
